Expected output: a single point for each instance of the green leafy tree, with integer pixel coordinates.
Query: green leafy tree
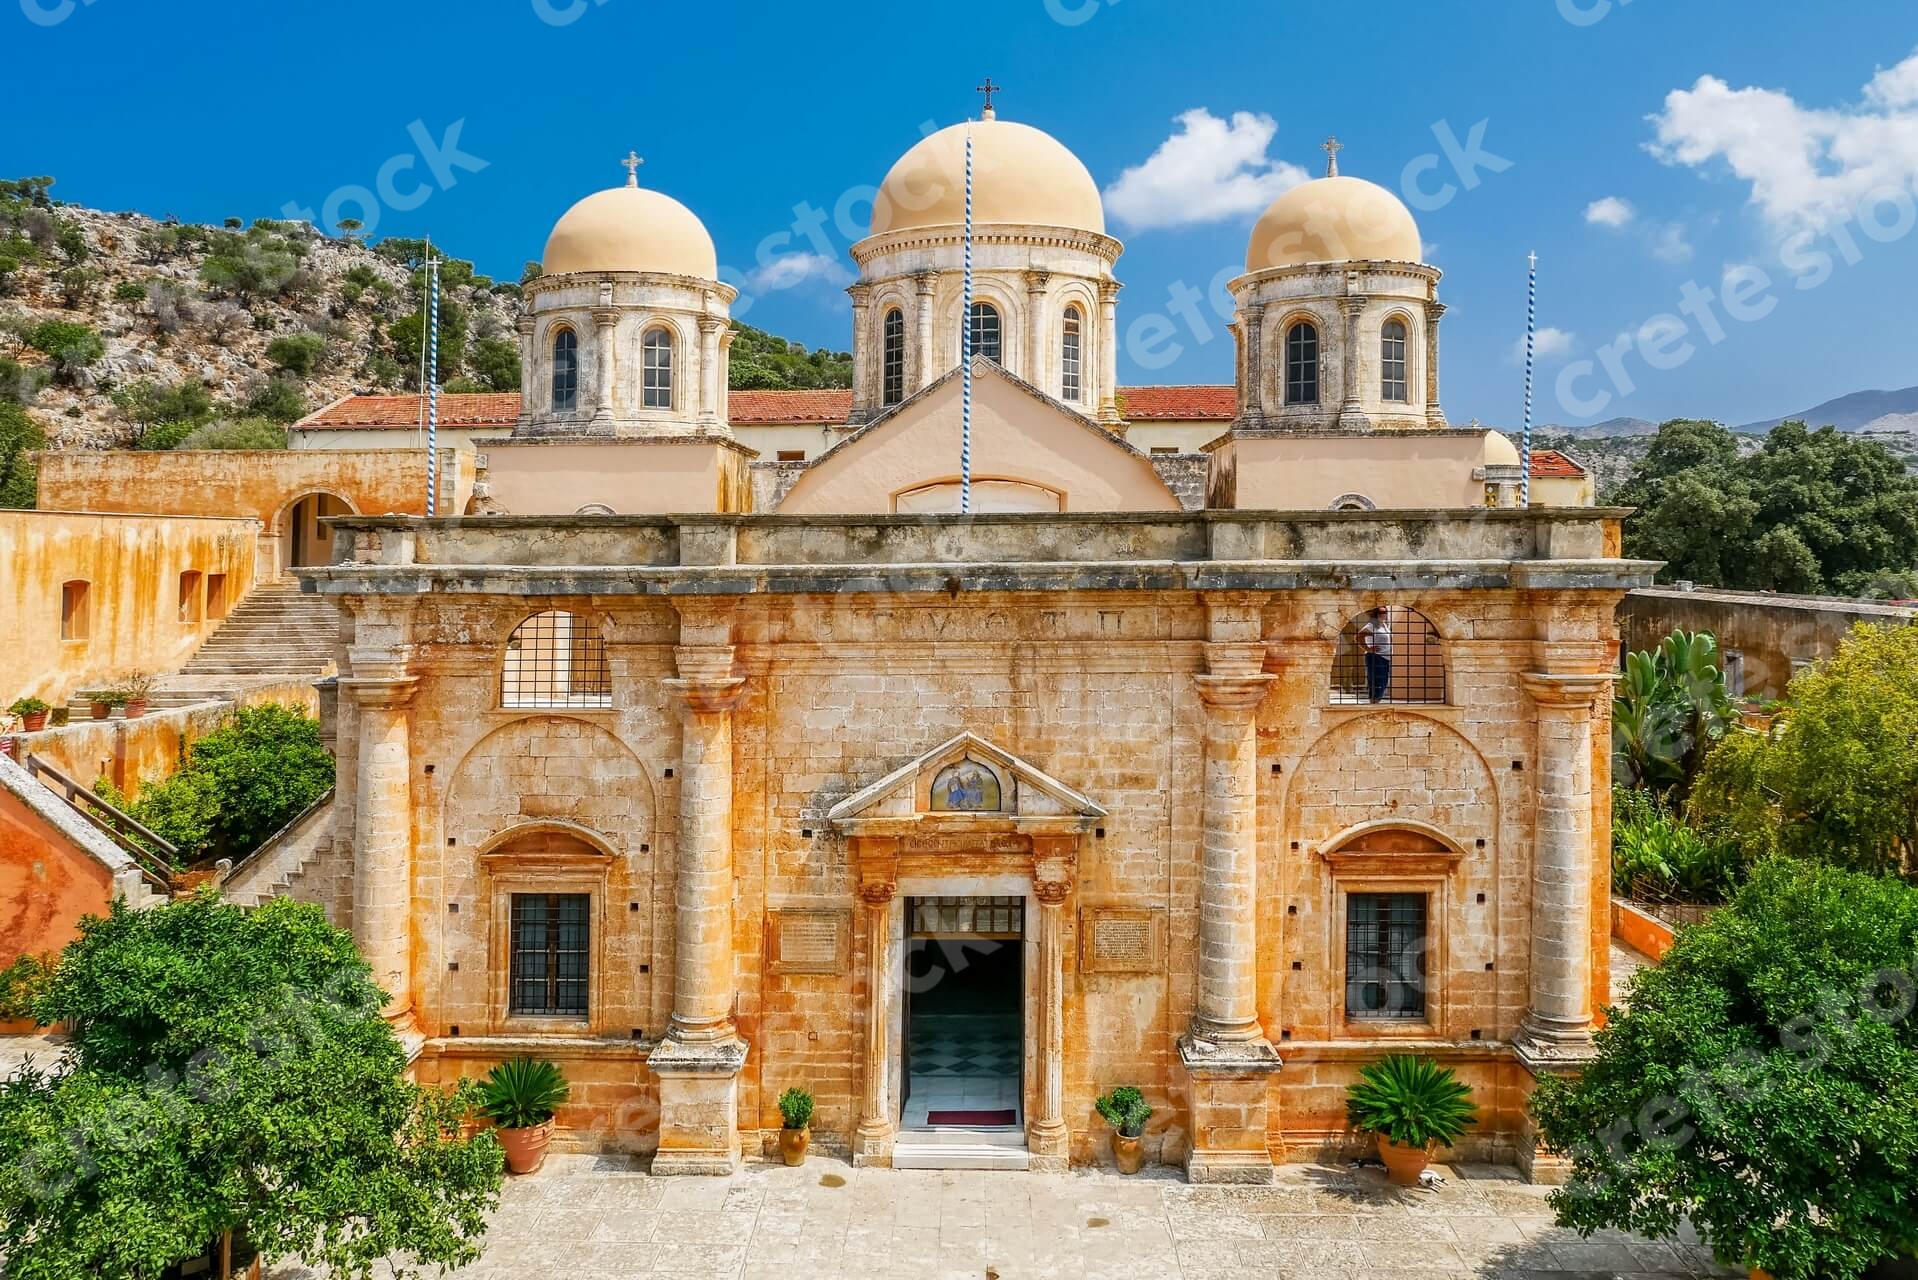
(1838, 780)
(277, 400)
(1667, 710)
(495, 364)
(129, 291)
(148, 404)
(229, 1072)
(761, 361)
(1761, 1081)
(71, 239)
(77, 285)
(19, 436)
(236, 433)
(251, 266)
(298, 354)
(72, 345)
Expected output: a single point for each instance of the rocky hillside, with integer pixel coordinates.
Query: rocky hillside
(111, 322)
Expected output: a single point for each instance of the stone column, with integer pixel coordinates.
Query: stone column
(383, 823)
(711, 382)
(1226, 1054)
(1434, 415)
(1558, 1027)
(1035, 370)
(1109, 352)
(529, 363)
(699, 1059)
(724, 378)
(1351, 414)
(924, 366)
(866, 353)
(1048, 1139)
(1252, 395)
(606, 327)
(878, 1120)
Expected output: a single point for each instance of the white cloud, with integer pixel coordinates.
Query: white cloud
(1669, 243)
(1208, 171)
(1804, 165)
(793, 269)
(1609, 212)
(1551, 345)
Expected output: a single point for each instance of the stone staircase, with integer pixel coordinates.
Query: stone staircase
(276, 631)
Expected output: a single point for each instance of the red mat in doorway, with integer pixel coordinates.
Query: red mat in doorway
(1001, 1118)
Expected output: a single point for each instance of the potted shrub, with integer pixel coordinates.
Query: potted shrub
(135, 690)
(1413, 1105)
(795, 1110)
(99, 703)
(32, 713)
(519, 1096)
(1126, 1110)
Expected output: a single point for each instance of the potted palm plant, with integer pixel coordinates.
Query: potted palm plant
(519, 1096)
(1126, 1110)
(795, 1111)
(32, 712)
(1413, 1105)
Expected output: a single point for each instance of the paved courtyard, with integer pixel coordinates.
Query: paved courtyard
(587, 1219)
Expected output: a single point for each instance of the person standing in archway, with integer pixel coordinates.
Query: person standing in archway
(1376, 637)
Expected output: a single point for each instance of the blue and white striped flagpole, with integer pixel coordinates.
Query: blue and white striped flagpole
(965, 348)
(1531, 347)
(433, 385)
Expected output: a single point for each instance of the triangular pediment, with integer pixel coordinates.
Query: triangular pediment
(966, 778)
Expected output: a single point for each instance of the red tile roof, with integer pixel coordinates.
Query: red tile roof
(765, 408)
(1550, 464)
(1180, 404)
(494, 409)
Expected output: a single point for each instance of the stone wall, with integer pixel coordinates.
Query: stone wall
(54, 868)
(1773, 635)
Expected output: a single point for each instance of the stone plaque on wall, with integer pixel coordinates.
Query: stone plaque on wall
(808, 940)
(1121, 940)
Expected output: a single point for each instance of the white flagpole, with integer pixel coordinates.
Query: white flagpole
(1531, 346)
(965, 348)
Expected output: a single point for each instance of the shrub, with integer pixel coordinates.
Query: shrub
(1657, 856)
(495, 364)
(20, 435)
(67, 341)
(129, 291)
(1125, 1109)
(20, 383)
(165, 435)
(146, 403)
(1411, 1101)
(522, 1093)
(21, 984)
(1670, 707)
(1758, 1081)
(277, 400)
(77, 285)
(236, 433)
(298, 354)
(796, 1108)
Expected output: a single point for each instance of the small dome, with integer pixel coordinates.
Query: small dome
(1021, 176)
(1499, 450)
(631, 229)
(1334, 220)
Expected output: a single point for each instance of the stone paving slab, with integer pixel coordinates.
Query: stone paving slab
(596, 1218)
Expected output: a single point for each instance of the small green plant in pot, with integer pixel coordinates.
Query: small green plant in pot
(1126, 1110)
(795, 1114)
(1413, 1105)
(32, 712)
(519, 1096)
(133, 694)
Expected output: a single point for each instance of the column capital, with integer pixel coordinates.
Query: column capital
(711, 324)
(1254, 311)
(877, 893)
(606, 317)
(1572, 692)
(526, 325)
(380, 691)
(707, 697)
(1352, 307)
(1233, 693)
(1109, 291)
(1036, 281)
(926, 282)
(860, 293)
(1052, 893)
(1433, 310)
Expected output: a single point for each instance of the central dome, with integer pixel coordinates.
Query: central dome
(1021, 176)
(631, 229)
(1334, 220)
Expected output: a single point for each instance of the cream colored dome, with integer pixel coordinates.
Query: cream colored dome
(1334, 220)
(1020, 175)
(1499, 450)
(631, 229)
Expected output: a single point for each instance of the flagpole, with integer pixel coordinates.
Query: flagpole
(433, 384)
(1531, 347)
(965, 348)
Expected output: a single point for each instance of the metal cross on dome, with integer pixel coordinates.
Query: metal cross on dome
(1332, 146)
(989, 88)
(632, 163)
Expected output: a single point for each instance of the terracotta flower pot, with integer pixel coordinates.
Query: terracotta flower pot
(35, 720)
(1758, 1274)
(100, 710)
(793, 1144)
(1403, 1165)
(1129, 1152)
(525, 1148)
(136, 708)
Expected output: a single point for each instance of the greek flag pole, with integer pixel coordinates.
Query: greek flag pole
(1531, 346)
(965, 357)
(433, 384)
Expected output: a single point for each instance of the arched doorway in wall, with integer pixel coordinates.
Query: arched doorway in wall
(303, 539)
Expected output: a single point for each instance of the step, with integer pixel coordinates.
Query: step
(961, 1148)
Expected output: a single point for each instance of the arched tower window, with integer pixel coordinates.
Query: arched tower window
(556, 659)
(893, 372)
(1071, 361)
(1389, 655)
(1392, 385)
(565, 371)
(986, 332)
(1302, 364)
(657, 348)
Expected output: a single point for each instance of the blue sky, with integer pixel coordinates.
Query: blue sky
(746, 111)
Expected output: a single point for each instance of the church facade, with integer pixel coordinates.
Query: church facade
(1221, 775)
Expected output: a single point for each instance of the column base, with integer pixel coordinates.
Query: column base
(872, 1145)
(1048, 1146)
(698, 1108)
(1226, 1088)
(1547, 1049)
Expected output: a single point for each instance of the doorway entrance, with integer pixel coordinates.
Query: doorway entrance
(307, 541)
(965, 1013)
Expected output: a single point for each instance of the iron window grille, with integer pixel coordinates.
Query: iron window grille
(556, 659)
(894, 388)
(565, 372)
(551, 960)
(1413, 670)
(986, 332)
(1385, 956)
(1392, 359)
(1070, 364)
(1302, 364)
(657, 347)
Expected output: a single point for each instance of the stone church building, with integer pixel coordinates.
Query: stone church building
(1221, 771)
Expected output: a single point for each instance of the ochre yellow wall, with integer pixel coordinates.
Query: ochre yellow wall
(133, 566)
(46, 884)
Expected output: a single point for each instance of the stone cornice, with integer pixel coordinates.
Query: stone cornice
(552, 283)
(1337, 274)
(1092, 242)
(1569, 692)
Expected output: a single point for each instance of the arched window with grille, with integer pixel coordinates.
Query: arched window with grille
(1392, 381)
(893, 372)
(987, 333)
(556, 659)
(1071, 358)
(1389, 655)
(657, 349)
(1302, 364)
(565, 371)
